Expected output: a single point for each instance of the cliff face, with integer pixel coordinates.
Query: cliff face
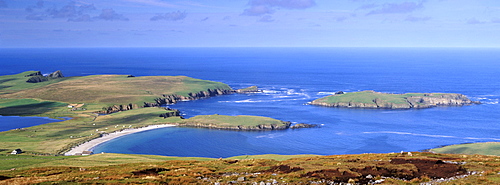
(284, 125)
(172, 113)
(118, 108)
(174, 98)
(427, 100)
(167, 99)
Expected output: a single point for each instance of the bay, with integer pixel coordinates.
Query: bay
(291, 77)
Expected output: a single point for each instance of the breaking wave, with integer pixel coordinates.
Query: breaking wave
(429, 135)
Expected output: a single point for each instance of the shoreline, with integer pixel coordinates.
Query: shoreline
(90, 145)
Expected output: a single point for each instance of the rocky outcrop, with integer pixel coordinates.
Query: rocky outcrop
(283, 126)
(174, 98)
(251, 89)
(56, 74)
(430, 100)
(171, 113)
(303, 125)
(118, 108)
(404, 101)
(38, 77)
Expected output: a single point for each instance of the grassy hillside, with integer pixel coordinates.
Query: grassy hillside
(53, 138)
(368, 97)
(17, 82)
(490, 148)
(363, 169)
(104, 89)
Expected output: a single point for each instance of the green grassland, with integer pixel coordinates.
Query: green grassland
(57, 137)
(105, 89)
(17, 82)
(367, 97)
(489, 148)
(223, 120)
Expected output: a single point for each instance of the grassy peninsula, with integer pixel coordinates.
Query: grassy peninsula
(488, 148)
(126, 101)
(377, 100)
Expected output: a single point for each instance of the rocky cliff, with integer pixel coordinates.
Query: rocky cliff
(171, 113)
(167, 99)
(376, 100)
(38, 77)
(174, 98)
(118, 108)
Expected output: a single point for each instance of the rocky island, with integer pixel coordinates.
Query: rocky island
(242, 123)
(378, 100)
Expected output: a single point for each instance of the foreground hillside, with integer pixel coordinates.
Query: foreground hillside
(362, 169)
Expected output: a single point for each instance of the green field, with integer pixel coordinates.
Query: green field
(104, 89)
(223, 120)
(490, 148)
(369, 96)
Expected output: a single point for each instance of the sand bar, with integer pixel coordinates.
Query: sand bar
(89, 146)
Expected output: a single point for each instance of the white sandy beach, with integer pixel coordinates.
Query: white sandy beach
(89, 146)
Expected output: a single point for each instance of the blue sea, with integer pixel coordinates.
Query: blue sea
(290, 78)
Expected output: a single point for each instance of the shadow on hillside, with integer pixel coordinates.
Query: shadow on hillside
(29, 109)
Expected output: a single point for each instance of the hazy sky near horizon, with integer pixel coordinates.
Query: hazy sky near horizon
(250, 23)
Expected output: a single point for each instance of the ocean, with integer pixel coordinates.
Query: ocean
(289, 79)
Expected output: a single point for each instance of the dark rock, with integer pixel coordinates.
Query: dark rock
(172, 113)
(339, 92)
(303, 125)
(56, 74)
(251, 89)
(118, 108)
(37, 79)
(130, 76)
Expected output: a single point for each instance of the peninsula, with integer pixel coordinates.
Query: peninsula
(378, 100)
(106, 105)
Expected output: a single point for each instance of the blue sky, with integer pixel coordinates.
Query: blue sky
(250, 23)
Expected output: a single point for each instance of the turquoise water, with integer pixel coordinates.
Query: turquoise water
(291, 77)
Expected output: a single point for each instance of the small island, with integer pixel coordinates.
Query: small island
(241, 122)
(378, 100)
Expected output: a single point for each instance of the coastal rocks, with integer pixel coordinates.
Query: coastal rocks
(170, 113)
(303, 125)
(56, 74)
(38, 77)
(174, 98)
(251, 89)
(118, 108)
(377, 100)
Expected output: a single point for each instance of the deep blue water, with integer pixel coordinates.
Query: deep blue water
(291, 77)
(14, 122)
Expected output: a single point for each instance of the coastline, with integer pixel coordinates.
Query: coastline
(90, 145)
